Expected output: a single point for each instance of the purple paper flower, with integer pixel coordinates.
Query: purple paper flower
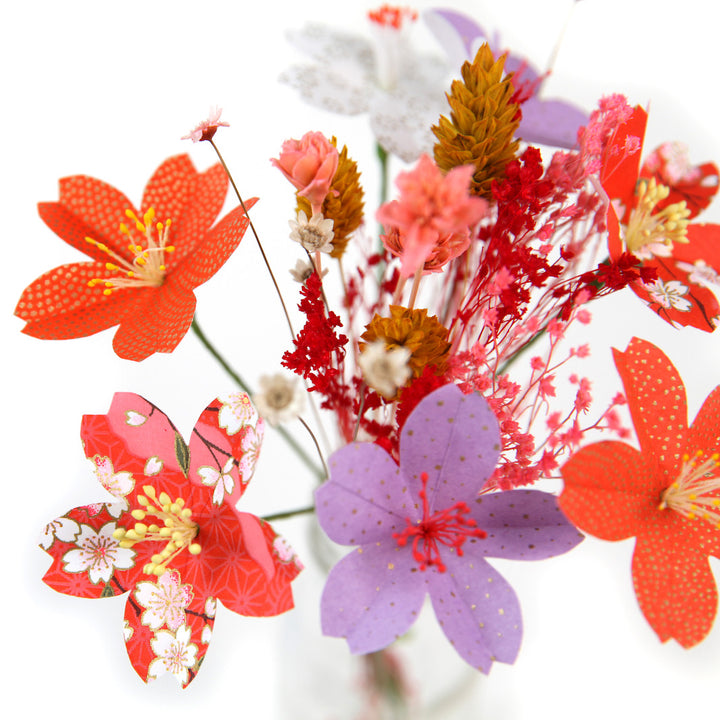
(422, 528)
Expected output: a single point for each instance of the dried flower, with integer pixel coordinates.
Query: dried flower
(385, 370)
(423, 336)
(206, 129)
(309, 164)
(279, 399)
(432, 206)
(303, 270)
(343, 204)
(315, 234)
(482, 123)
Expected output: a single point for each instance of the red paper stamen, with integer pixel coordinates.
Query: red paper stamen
(445, 527)
(392, 16)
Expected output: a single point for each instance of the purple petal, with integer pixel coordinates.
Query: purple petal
(551, 122)
(456, 32)
(372, 596)
(521, 525)
(477, 610)
(455, 439)
(365, 499)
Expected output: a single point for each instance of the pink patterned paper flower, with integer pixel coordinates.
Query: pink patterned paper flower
(422, 529)
(433, 209)
(310, 165)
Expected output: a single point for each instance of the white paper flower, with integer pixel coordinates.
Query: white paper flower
(236, 412)
(669, 294)
(403, 92)
(250, 445)
(118, 484)
(153, 466)
(315, 234)
(98, 554)
(164, 601)
(62, 528)
(385, 370)
(174, 654)
(221, 480)
(280, 399)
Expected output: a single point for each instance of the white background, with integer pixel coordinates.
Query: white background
(106, 89)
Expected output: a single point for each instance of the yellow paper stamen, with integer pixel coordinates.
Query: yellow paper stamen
(695, 493)
(177, 530)
(147, 268)
(666, 227)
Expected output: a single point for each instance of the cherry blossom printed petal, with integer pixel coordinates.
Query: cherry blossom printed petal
(454, 438)
(175, 654)
(676, 590)
(652, 381)
(100, 207)
(611, 490)
(477, 610)
(164, 601)
(62, 528)
(235, 412)
(118, 484)
(372, 596)
(366, 498)
(157, 325)
(218, 245)
(80, 311)
(521, 525)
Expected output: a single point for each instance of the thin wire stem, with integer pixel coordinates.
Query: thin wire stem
(257, 238)
(317, 446)
(289, 439)
(288, 514)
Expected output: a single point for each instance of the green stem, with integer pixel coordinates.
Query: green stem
(288, 514)
(289, 439)
(383, 158)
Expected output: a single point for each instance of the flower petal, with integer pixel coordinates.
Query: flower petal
(704, 433)
(366, 498)
(521, 525)
(477, 610)
(372, 596)
(611, 490)
(60, 305)
(455, 439)
(212, 253)
(656, 397)
(157, 324)
(95, 204)
(675, 588)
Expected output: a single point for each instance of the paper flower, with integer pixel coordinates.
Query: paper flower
(643, 220)
(433, 206)
(145, 263)
(422, 528)
(403, 92)
(666, 494)
(174, 540)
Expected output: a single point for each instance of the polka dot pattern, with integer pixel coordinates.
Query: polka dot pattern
(478, 611)
(656, 398)
(521, 525)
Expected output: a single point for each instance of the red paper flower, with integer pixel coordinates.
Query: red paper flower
(667, 495)
(173, 539)
(145, 264)
(685, 257)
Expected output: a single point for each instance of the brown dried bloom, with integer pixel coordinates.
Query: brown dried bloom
(482, 123)
(423, 336)
(343, 204)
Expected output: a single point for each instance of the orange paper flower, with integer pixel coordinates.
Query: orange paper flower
(145, 263)
(667, 495)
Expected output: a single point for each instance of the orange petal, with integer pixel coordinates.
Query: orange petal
(656, 398)
(216, 248)
(170, 187)
(610, 491)
(60, 305)
(675, 588)
(157, 324)
(704, 432)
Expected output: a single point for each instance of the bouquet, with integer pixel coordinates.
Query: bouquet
(432, 374)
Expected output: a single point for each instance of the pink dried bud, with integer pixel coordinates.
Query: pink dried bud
(310, 165)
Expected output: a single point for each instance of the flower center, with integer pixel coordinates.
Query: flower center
(390, 42)
(445, 527)
(666, 227)
(148, 244)
(177, 529)
(696, 491)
